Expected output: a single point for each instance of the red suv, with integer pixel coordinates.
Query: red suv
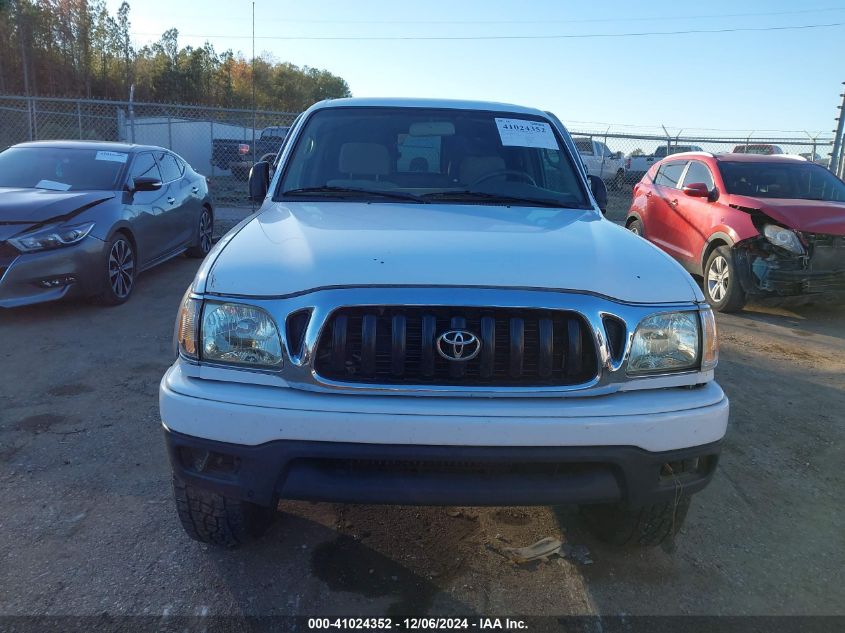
(747, 224)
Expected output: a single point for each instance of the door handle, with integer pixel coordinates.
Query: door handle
(171, 200)
(195, 189)
(648, 194)
(673, 203)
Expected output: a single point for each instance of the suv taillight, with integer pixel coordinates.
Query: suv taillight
(243, 148)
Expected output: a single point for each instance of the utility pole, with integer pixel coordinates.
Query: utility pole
(835, 158)
(254, 155)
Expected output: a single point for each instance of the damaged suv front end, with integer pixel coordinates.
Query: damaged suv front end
(789, 246)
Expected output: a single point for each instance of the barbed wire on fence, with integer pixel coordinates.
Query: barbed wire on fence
(221, 143)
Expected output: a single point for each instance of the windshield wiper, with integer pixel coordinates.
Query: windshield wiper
(341, 191)
(482, 196)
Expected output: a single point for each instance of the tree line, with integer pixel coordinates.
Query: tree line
(76, 48)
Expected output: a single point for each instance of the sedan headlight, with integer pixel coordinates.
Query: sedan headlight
(783, 237)
(237, 334)
(665, 342)
(53, 237)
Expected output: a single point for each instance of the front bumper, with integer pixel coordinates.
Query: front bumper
(76, 268)
(345, 472)
(260, 443)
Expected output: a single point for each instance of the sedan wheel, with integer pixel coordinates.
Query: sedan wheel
(204, 234)
(120, 270)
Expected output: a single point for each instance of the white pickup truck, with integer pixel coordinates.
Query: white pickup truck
(429, 308)
(601, 162)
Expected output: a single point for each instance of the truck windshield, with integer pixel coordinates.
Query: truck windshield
(791, 180)
(385, 154)
(61, 169)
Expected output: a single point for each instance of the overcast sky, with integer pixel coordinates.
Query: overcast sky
(738, 81)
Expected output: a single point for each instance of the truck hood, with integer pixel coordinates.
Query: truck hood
(301, 246)
(809, 216)
(23, 209)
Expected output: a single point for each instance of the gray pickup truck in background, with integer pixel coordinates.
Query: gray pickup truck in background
(238, 156)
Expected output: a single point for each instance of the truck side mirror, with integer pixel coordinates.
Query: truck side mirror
(599, 190)
(259, 180)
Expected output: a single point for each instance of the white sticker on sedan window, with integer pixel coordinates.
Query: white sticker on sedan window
(52, 185)
(523, 133)
(116, 157)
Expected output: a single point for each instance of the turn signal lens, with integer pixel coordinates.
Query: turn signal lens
(709, 340)
(186, 327)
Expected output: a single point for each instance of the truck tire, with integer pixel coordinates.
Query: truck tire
(211, 518)
(240, 171)
(721, 284)
(618, 181)
(647, 526)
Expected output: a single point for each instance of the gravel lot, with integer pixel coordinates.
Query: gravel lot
(89, 526)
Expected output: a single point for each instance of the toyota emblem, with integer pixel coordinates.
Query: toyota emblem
(458, 345)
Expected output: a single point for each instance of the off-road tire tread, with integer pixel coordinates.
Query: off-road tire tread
(211, 518)
(647, 526)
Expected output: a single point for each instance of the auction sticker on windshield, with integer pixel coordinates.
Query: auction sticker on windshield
(523, 133)
(117, 157)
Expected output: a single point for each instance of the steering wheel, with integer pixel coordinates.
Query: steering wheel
(505, 172)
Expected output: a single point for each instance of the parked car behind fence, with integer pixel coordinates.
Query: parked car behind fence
(190, 131)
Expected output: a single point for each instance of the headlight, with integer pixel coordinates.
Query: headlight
(53, 237)
(664, 343)
(237, 334)
(785, 238)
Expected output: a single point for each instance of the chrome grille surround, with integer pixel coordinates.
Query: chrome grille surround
(299, 370)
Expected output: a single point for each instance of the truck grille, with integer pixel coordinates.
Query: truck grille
(398, 345)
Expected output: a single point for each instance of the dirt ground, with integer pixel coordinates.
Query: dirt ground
(88, 524)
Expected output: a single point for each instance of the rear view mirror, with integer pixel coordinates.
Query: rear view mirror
(259, 180)
(432, 128)
(697, 190)
(599, 190)
(145, 183)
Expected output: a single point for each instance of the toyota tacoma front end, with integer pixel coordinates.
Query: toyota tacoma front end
(429, 308)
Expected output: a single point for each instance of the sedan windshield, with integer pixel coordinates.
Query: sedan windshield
(796, 180)
(431, 156)
(61, 169)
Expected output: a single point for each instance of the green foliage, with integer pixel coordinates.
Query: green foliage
(76, 48)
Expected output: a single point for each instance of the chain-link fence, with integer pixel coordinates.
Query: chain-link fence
(218, 143)
(223, 143)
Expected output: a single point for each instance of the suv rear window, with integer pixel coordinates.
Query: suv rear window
(669, 175)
